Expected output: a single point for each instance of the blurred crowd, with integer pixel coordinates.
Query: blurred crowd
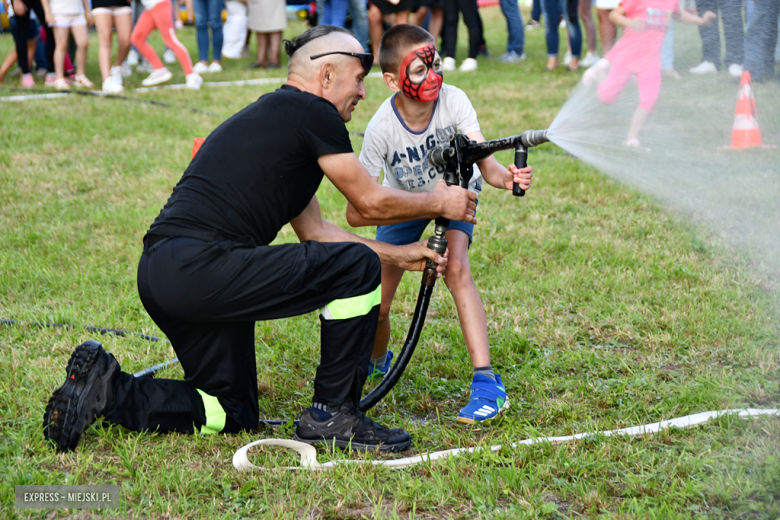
(51, 38)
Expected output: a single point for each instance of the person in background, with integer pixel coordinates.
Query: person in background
(359, 13)
(515, 33)
(71, 17)
(42, 10)
(761, 39)
(586, 13)
(607, 29)
(667, 55)
(208, 13)
(110, 14)
(234, 31)
(268, 18)
(536, 16)
(731, 14)
(638, 54)
(157, 15)
(436, 9)
(334, 12)
(384, 11)
(553, 9)
(449, 36)
(32, 41)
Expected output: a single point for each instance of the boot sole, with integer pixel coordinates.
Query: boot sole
(74, 405)
(356, 446)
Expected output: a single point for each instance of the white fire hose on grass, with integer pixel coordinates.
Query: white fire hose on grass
(309, 453)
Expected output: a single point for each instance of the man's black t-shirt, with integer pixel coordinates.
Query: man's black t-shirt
(257, 171)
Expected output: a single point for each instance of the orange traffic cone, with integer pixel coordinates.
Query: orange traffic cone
(196, 146)
(745, 132)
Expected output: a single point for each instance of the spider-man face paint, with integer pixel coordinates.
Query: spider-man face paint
(421, 79)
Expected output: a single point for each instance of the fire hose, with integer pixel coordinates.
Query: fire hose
(309, 454)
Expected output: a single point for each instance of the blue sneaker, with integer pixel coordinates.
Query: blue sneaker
(378, 373)
(488, 399)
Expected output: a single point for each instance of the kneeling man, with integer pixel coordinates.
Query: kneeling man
(208, 273)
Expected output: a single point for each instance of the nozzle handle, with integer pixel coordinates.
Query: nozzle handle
(521, 161)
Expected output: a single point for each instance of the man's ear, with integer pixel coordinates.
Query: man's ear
(327, 75)
(391, 80)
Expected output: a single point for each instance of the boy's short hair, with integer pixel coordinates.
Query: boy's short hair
(396, 40)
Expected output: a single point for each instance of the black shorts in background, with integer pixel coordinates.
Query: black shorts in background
(387, 8)
(429, 3)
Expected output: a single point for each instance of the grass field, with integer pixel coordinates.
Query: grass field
(605, 311)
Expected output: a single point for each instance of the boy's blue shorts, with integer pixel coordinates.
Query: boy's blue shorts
(405, 233)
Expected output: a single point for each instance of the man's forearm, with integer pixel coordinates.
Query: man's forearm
(385, 203)
(333, 233)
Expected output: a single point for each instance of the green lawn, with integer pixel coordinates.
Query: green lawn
(605, 311)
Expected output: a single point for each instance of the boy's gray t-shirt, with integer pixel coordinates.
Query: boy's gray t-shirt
(403, 154)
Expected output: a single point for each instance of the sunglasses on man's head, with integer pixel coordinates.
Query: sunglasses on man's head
(366, 60)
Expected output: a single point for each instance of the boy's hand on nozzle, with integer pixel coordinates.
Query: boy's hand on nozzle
(413, 257)
(521, 176)
(457, 203)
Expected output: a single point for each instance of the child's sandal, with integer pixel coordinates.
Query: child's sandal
(61, 84)
(83, 81)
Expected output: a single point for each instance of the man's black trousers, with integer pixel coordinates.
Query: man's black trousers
(207, 296)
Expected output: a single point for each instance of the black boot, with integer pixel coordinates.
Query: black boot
(348, 427)
(83, 396)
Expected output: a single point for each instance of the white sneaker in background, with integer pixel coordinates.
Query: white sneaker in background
(156, 77)
(567, 59)
(705, 67)
(169, 56)
(116, 75)
(448, 64)
(511, 57)
(110, 86)
(125, 70)
(468, 65)
(194, 81)
(590, 59)
(133, 57)
(735, 69)
(144, 66)
(215, 67)
(200, 67)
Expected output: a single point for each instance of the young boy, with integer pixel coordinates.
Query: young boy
(421, 115)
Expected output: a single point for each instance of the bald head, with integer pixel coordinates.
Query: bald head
(335, 77)
(319, 40)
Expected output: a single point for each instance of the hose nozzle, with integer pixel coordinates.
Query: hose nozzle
(531, 138)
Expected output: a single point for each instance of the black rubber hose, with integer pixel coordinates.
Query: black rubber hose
(397, 370)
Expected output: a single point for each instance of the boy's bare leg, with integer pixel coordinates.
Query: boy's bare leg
(391, 277)
(637, 122)
(471, 311)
